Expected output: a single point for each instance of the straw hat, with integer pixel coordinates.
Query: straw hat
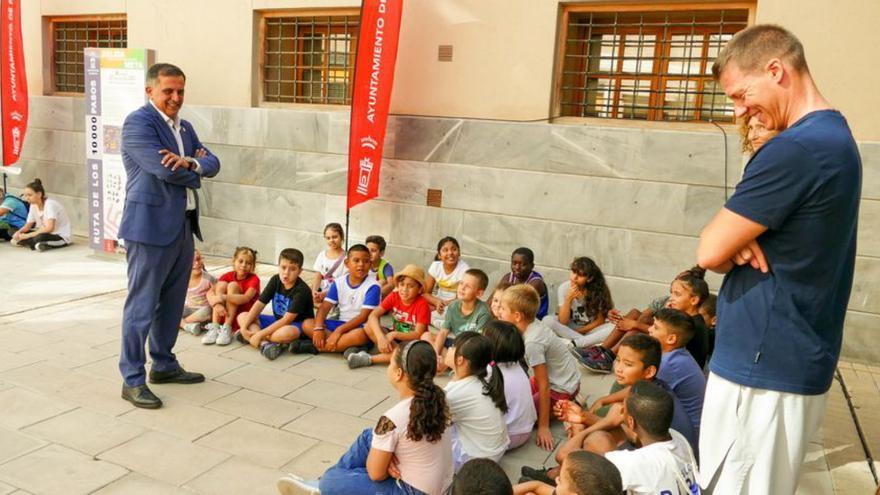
(412, 271)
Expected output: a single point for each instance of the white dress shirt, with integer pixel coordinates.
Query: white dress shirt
(174, 125)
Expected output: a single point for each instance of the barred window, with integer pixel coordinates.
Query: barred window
(309, 59)
(653, 65)
(70, 36)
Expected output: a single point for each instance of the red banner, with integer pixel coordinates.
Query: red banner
(373, 77)
(13, 84)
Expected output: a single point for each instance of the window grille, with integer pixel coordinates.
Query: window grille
(646, 65)
(309, 59)
(71, 37)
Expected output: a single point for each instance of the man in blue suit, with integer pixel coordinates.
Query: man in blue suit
(165, 162)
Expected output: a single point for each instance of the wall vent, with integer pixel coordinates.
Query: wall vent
(435, 198)
(444, 53)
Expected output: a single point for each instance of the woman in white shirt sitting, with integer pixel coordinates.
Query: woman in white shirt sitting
(47, 225)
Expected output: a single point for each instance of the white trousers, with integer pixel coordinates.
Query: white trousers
(753, 441)
(593, 337)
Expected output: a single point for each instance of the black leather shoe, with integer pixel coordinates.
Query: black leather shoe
(179, 375)
(141, 396)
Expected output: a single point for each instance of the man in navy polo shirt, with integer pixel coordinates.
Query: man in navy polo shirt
(786, 240)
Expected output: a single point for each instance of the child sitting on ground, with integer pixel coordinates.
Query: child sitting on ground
(678, 370)
(444, 274)
(476, 401)
(481, 477)
(581, 473)
(291, 300)
(410, 316)
(639, 359)
(522, 271)
(468, 313)
(330, 263)
(408, 451)
(380, 269)
(686, 293)
(662, 462)
(356, 295)
(234, 293)
(508, 351)
(556, 376)
(584, 303)
(495, 299)
(196, 308)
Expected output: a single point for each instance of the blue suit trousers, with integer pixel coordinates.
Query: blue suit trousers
(158, 277)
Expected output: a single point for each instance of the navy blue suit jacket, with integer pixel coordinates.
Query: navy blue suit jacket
(155, 197)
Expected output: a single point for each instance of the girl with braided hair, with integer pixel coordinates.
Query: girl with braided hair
(409, 452)
(476, 401)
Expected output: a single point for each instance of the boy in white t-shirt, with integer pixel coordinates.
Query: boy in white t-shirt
(355, 295)
(663, 461)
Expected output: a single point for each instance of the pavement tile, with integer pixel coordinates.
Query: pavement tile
(57, 469)
(17, 341)
(237, 476)
(6, 489)
(264, 380)
(330, 368)
(247, 354)
(260, 444)
(69, 354)
(209, 365)
(164, 457)
(14, 444)
(11, 360)
(378, 410)
(330, 426)
(199, 394)
(261, 408)
(179, 418)
(107, 369)
(86, 431)
(136, 484)
(100, 395)
(315, 461)
(95, 336)
(22, 407)
(46, 323)
(377, 384)
(44, 377)
(336, 397)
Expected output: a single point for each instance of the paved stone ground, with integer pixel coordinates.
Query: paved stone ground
(64, 429)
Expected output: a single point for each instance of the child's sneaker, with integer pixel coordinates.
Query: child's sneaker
(294, 485)
(599, 364)
(224, 335)
(359, 360)
(193, 329)
(211, 336)
(303, 346)
(353, 350)
(239, 337)
(271, 350)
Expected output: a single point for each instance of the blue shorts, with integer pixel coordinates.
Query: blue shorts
(266, 320)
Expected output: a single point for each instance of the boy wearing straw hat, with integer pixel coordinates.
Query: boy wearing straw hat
(410, 317)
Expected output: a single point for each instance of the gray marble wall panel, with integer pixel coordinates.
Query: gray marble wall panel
(635, 199)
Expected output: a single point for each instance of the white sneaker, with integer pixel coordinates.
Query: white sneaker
(224, 337)
(294, 485)
(211, 336)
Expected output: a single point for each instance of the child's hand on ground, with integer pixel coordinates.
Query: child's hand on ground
(544, 438)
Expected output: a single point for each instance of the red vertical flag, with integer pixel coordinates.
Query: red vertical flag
(371, 95)
(13, 85)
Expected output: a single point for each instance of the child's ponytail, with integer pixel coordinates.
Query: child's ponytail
(477, 351)
(428, 411)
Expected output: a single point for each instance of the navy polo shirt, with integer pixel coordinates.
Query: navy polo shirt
(782, 330)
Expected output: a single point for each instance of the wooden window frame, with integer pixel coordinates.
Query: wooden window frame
(659, 76)
(260, 49)
(49, 84)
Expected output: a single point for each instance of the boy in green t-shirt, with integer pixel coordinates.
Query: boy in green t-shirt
(468, 313)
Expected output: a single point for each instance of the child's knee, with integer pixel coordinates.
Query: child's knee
(599, 442)
(233, 288)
